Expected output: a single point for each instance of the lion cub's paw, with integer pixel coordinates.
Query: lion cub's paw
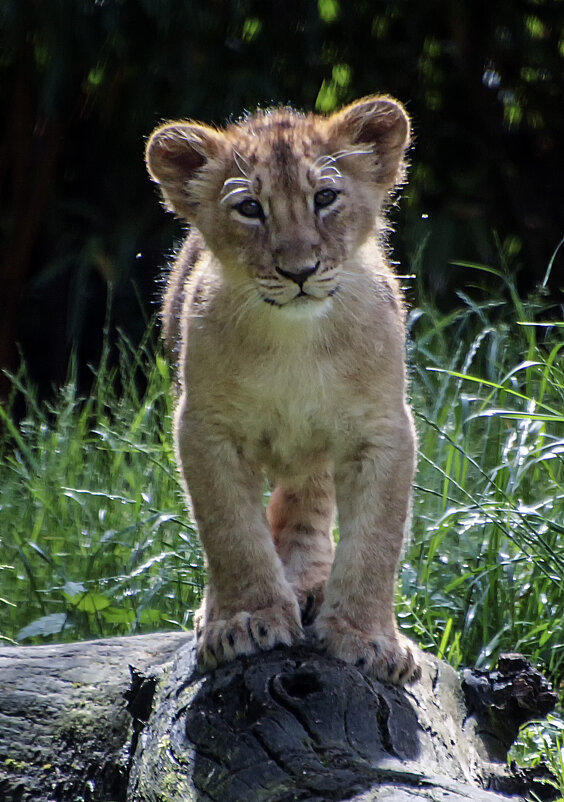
(245, 633)
(385, 657)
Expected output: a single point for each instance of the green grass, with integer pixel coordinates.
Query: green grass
(95, 540)
(543, 742)
(485, 569)
(94, 537)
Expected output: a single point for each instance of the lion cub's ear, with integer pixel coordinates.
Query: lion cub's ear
(382, 126)
(174, 155)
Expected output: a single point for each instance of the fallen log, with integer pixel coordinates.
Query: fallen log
(77, 724)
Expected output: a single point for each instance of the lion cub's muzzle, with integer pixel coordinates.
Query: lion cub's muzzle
(299, 284)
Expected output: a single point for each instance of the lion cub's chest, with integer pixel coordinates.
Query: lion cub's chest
(283, 410)
(287, 415)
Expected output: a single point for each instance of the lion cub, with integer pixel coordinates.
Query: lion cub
(288, 328)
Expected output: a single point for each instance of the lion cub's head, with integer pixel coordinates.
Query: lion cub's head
(283, 199)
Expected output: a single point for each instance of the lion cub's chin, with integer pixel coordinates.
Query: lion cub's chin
(304, 307)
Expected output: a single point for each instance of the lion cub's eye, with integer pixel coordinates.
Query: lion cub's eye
(250, 208)
(324, 198)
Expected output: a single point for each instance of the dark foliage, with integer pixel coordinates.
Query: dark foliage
(84, 82)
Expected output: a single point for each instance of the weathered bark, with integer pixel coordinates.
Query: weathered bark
(286, 725)
(64, 726)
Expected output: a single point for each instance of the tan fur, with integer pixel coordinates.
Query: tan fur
(289, 331)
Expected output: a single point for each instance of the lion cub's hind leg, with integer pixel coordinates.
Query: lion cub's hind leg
(301, 519)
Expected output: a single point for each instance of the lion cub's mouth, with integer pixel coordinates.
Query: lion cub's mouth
(303, 301)
(304, 297)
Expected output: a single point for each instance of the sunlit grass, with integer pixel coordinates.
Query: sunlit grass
(485, 569)
(94, 539)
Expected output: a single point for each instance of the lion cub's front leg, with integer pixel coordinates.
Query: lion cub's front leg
(249, 606)
(356, 622)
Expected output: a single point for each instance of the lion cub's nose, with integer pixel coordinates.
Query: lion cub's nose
(299, 274)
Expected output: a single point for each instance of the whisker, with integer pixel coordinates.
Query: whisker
(237, 181)
(242, 163)
(236, 191)
(330, 169)
(327, 160)
(342, 154)
(323, 160)
(245, 298)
